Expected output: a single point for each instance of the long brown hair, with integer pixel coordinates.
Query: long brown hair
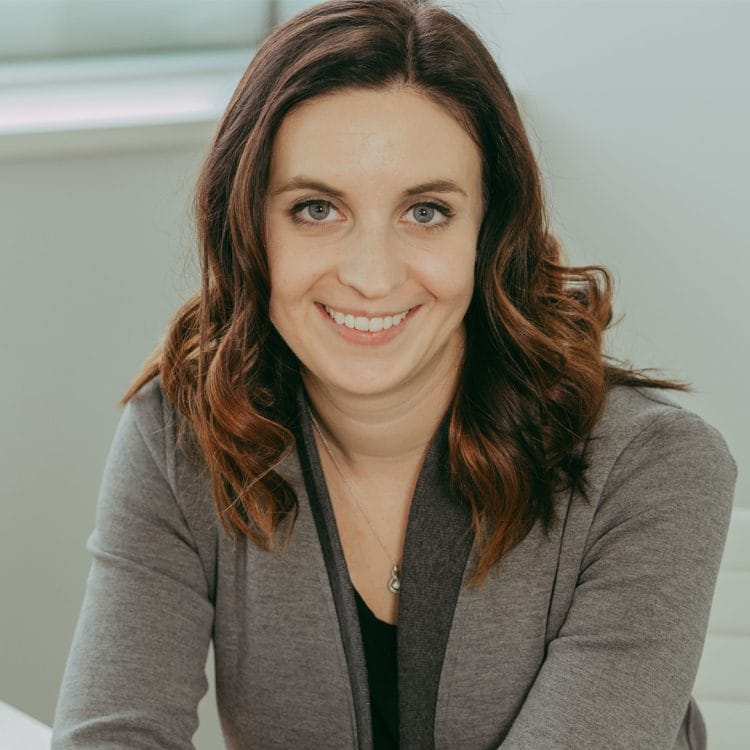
(534, 377)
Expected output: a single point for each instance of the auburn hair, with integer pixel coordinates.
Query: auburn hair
(534, 376)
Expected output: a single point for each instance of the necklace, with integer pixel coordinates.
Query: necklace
(394, 583)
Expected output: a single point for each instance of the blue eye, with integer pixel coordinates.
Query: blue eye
(427, 211)
(320, 210)
(430, 211)
(316, 206)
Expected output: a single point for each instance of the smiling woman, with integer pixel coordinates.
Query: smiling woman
(374, 257)
(381, 458)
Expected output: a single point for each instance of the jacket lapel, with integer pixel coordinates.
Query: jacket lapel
(436, 549)
(338, 574)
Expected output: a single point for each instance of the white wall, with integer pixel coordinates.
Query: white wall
(93, 265)
(641, 114)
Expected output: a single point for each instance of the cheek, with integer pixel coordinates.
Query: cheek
(284, 287)
(284, 265)
(451, 276)
(293, 275)
(282, 256)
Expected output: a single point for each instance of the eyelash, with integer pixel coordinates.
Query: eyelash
(447, 212)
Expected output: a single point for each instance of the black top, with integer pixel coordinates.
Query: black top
(439, 538)
(379, 640)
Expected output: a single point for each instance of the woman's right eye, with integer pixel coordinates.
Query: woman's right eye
(315, 211)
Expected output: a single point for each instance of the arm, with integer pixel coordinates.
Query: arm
(135, 672)
(620, 672)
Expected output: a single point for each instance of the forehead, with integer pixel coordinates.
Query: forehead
(383, 134)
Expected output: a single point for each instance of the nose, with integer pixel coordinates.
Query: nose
(373, 264)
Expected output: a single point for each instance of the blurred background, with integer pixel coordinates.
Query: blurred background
(639, 113)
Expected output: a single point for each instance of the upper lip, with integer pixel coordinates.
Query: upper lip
(365, 313)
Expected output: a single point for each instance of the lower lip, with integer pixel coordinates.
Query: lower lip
(368, 338)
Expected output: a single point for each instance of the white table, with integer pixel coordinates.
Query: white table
(19, 731)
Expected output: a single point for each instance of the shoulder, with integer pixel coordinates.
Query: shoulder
(150, 409)
(170, 441)
(154, 415)
(151, 404)
(629, 410)
(634, 416)
(645, 446)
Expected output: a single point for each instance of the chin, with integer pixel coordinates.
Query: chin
(366, 388)
(370, 384)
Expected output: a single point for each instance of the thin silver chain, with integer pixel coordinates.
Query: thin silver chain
(394, 584)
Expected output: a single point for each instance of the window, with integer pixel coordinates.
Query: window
(34, 29)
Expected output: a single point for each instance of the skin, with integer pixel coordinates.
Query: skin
(371, 253)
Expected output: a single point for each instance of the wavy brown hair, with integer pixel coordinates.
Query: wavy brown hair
(534, 376)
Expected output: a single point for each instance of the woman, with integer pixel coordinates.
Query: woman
(387, 421)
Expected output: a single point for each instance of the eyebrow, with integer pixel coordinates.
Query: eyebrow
(302, 182)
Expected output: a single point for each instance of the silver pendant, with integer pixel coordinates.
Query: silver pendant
(394, 584)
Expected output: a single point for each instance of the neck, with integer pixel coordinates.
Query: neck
(388, 430)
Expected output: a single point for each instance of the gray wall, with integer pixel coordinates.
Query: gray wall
(93, 264)
(639, 113)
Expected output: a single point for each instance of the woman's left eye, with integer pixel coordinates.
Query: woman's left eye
(427, 212)
(317, 211)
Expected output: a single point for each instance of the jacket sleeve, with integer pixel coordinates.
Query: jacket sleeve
(136, 669)
(620, 672)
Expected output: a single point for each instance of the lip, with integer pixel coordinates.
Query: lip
(367, 338)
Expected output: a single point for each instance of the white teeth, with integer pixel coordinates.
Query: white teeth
(361, 323)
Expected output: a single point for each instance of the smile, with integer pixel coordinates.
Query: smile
(362, 323)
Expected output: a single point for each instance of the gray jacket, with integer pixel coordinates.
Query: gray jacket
(590, 640)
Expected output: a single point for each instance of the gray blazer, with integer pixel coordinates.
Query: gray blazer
(587, 641)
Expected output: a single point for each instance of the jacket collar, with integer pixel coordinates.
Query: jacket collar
(438, 541)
